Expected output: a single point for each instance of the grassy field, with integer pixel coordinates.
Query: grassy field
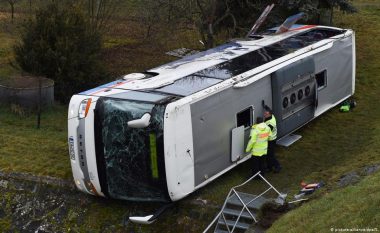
(23, 148)
(332, 145)
(6, 53)
(349, 208)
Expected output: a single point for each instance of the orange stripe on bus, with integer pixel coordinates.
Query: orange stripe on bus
(303, 27)
(113, 86)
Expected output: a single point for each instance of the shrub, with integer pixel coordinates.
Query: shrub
(61, 44)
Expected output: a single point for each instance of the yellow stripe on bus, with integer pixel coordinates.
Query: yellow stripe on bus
(153, 155)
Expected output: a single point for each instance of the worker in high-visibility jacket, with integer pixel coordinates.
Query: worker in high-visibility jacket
(258, 145)
(270, 120)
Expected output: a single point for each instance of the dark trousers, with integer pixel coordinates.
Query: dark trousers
(258, 164)
(271, 160)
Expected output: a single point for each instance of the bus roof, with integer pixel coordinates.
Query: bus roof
(194, 73)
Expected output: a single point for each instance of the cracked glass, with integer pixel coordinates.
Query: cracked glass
(132, 157)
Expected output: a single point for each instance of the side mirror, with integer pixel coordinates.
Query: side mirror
(143, 220)
(150, 218)
(143, 122)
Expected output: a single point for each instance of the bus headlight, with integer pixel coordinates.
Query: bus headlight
(84, 107)
(79, 184)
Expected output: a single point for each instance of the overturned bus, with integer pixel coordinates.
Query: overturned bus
(164, 133)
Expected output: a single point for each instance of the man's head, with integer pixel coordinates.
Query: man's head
(267, 112)
(259, 120)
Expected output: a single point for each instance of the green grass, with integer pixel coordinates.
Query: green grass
(24, 148)
(352, 207)
(6, 55)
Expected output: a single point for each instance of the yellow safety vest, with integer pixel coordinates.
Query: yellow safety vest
(258, 142)
(272, 122)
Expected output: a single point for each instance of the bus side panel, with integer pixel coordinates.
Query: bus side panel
(338, 63)
(179, 153)
(214, 117)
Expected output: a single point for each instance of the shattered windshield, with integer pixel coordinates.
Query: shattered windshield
(130, 160)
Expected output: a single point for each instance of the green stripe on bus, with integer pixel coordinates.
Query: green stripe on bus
(153, 155)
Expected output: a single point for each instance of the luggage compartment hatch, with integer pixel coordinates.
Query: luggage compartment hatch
(294, 95)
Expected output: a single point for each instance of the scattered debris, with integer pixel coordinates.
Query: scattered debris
(298, 200)
(202, 201)
(349, 179)
(280, 200)
(347, 105)
(306, 190)
(182, 52)
(4, 184)
(371, 169)
(299, 196)
(312, 185)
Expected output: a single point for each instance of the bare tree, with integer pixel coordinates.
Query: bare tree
(232, 17)
(101, 11)
(30, 7)
(155, 12)
(211, 14)
(12, 5)
(149, 15)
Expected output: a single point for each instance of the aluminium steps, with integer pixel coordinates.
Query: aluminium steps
(238, 219)
(252, 201)
(240, 210)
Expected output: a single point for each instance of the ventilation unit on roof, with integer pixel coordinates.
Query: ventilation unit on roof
(134, 76)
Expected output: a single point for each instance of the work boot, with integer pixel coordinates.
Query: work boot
(277, 169)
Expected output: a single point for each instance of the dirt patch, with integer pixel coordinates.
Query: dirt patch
(26, 82)
(349, 179)
(371, 169)
(46, 180)
(271, 213)
(32, 205)
(354, 177)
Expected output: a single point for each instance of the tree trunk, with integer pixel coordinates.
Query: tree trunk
(12, 9)
(148, 30)
(39, 102)
(210, 37)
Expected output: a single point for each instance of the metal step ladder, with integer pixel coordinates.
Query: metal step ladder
(240, 209)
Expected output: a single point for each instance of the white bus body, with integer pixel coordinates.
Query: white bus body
(193, 105)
